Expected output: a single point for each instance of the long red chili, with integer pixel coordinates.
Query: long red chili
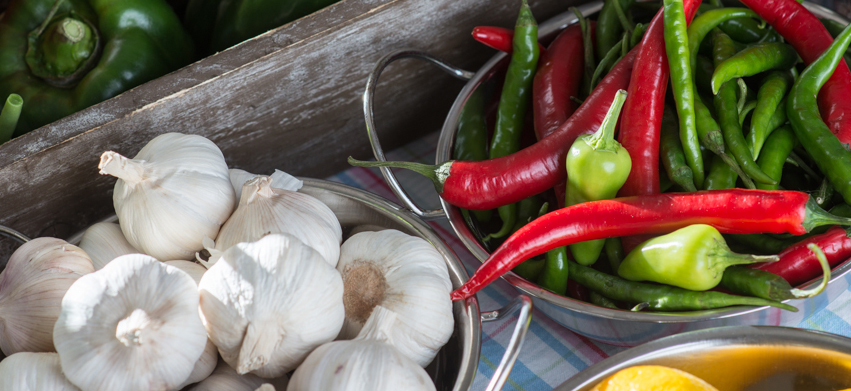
(798, 264)
(487, 184)
(499, 38)
(810, 38)
(730, 211)
(641, 118)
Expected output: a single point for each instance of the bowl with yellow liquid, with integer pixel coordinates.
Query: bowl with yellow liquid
(737, 358)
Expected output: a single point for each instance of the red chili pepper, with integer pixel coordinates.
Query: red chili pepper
(810, 38)
(641, 118)
(730, 211)
(499, 38)
(798, 264)
(487, 184)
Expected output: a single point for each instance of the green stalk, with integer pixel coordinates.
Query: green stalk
(9, 116)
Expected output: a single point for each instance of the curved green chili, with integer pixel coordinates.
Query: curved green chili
(471, 141)
(745, 30)
(770, 286)
(752, 60)
(712, 139)
(660, 297)
(682, 82)
(728, 114)
(777, 148)
(703, 24)
(771, 92)
(609, 26)
(515, 97)
(555, 272)
(720, 175)
(671, 152)
(831, 156)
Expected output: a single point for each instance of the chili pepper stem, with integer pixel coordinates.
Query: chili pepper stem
(604, 138)
(825, 267)
(437, 173)
(815, 216)
(9, 116)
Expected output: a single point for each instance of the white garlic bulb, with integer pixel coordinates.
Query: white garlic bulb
(207, 362)
(280, 180)
(406, 275)
(264, 209)
(31, 289)
(33, 372)
(225, 378)
(133, 325)
(171, 195)
(268, 303)
(359, 365)
(104, 242)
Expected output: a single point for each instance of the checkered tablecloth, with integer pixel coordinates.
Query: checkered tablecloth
(551, 354)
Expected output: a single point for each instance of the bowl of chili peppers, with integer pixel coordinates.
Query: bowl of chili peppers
(738, 358)
(730, 163)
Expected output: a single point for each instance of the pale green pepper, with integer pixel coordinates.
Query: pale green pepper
(693, 257)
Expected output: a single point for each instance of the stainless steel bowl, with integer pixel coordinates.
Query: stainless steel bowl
(614, 327)
(454, 367)
(739, 358)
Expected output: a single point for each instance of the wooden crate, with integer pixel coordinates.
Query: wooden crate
(288, 99)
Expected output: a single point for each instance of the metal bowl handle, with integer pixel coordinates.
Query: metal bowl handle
(368, 95)
(524, 304)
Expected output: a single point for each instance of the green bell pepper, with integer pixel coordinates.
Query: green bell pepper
(693, 257)
(219, 24)
(597, 167)
(62, 56)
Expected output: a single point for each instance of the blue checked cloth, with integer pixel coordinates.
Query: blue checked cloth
(551, 354)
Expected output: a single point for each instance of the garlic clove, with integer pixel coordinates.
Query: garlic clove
(132, 325)
(27, 371)
(280, 180)
(359, 365)
(404, 274)
(104, 242)
(173, 193)
(268, 303)
(264, 209)
(31, 289)
(225, 378)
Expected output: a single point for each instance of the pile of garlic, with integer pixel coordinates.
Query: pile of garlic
(279, 293)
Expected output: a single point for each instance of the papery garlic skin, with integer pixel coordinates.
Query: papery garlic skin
(207, 362)
(33, 372)
(104, 242)
(171, 195)
(133, 325)
(264, 209)
(359, 365)
(268, 303)
(225, 378)
(406, 275)
(280, 180)
(31, 289)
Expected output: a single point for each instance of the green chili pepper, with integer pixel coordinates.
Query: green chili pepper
(692, 258)
(843, 210)
(745, 30)
(554, 276)
(758, 243)
(530, 269)
(835, 28)
(601, 301)
(752, 60)
(728, 114)
(777, 148)
(703, 69)
(607, 62)
(707, 21)
(63, 56)
(9, 116)
(682, 82)
(766, 285)
(516, 91)
(831, 156)
(597, 166)
(609, 26)
(771, 93)
(671, 152)
(614, 252)
(660, 297)
(712, 139)
(471, 141)
(720, 175)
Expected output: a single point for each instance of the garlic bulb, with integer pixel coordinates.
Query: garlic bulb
(366, 363)
(225, 378)
(207, 362)
(406, 275)
(105, 242)
(171, 195)
(280, 180)
(31, 288)
(132, 325)
(268, 303)
(264, 209)
(33, 372)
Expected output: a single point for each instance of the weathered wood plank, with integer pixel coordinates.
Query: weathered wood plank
(289, 99)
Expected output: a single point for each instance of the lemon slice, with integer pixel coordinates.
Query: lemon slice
(653, 377)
